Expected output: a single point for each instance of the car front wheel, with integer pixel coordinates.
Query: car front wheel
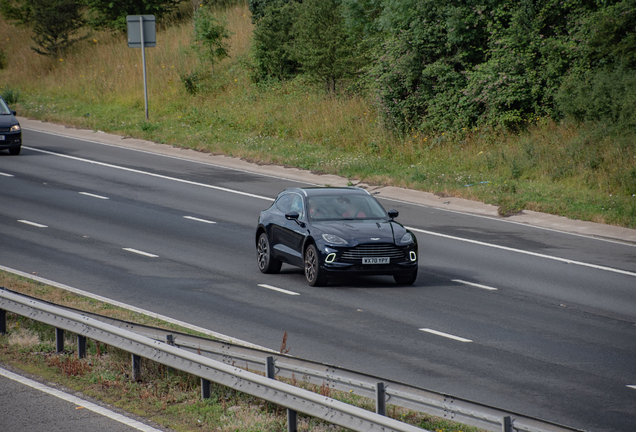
(314, 274)
(15, 150)
(266, 263)
(405, 278)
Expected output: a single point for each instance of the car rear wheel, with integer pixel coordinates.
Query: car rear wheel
(15, 150)
(266, 263)
(405, 278)
(314, 274)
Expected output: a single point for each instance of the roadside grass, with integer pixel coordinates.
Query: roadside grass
(582, 171)
(163, 395)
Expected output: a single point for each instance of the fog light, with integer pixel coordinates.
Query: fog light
(330, 258)
(413, 256)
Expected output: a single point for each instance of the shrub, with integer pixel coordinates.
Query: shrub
(54, 24)
(11, 96)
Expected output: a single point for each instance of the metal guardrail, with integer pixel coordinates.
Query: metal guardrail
(230, 355)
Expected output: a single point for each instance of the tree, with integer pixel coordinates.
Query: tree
(54, 24)
(209, 37)
(273, 41)
(20, 12)
(321, 44)
(111, 14)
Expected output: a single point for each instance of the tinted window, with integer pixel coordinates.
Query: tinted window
(344, 207)
(290, 202)
(4, 109)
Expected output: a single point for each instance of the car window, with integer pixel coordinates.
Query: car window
(290, 202)
(344, 207)
(4, 108)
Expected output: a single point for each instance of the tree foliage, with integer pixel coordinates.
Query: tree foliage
(18, 12)
(437, 65)
(321, 45)
(55, 22)
(111, 14)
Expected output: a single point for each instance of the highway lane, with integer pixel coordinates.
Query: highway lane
(554, 340)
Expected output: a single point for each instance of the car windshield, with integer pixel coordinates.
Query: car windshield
(4, 109)
(344, 207)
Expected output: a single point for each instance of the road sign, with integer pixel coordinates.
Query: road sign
(134, 23)
(142, 34)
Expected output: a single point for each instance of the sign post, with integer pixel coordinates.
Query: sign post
(142, 34)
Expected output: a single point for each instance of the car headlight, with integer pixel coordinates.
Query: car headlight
(15, 128)
(407, 238)
(334, 239)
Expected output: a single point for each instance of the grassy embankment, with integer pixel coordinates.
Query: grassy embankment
(581, 171)
(167, 397)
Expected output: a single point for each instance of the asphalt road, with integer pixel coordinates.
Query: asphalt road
(554, 340)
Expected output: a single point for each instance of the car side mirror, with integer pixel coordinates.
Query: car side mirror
(13, 112)
(393, 213)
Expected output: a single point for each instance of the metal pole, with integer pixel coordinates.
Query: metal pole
(143, 60)
(59, 340)
(3, 321)
(506, 424)
(136, 367)
(205, 388)
(380, 399)
(81, 346)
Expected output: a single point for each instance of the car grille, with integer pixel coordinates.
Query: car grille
(5, 129)
(372, 250)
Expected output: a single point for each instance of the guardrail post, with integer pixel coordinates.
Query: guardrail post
(59, 340)
(136, 367)
(270, 370)
(205, 388)
(3, 321)
(292, 417)
(81, 346)
(170, 339)
(506, 424)
(380, 399)
(292, 421)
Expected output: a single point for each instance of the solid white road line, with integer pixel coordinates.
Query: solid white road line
(33, 223)
(6, 175)
(165, 318)
(141, 252)
(446, 335)
(278, 289)
(79, 402)
(94, 196)
(152, 174)
(199, 220)
(474, 284)
(567, 261)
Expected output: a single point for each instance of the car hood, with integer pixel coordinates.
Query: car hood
(7, 120)
(358, 232)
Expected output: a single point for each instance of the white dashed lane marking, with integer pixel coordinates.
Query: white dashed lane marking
(33, 223)
(446, 335)
(141, 252)
(273, 288)
(632, 386)
(199, 220)
(6, 175)
(474, 284)
(93, 195)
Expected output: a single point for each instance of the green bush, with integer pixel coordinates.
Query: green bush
(602, 96)
(11, 96)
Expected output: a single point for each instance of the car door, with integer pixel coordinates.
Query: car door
(288, 235)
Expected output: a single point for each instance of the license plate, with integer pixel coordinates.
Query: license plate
(1, 137)
(376, 260)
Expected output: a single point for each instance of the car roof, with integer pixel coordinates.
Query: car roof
(317, 191)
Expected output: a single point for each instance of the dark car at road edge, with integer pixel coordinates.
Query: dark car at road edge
(10, 130)
(335, 232)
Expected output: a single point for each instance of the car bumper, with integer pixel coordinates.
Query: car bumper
(337, 265)
(10, 139)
